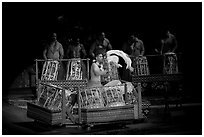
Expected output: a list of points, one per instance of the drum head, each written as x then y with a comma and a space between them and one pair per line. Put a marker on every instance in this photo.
169, 53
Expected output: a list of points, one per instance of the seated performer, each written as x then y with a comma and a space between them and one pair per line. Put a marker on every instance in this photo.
97, 70
95, 81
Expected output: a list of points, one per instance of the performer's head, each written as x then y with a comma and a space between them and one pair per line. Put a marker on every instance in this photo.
53, 36
99, 56
78, 40
102, 36
133, 37
168, 34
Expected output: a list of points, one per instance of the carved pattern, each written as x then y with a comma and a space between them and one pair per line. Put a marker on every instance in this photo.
50, 70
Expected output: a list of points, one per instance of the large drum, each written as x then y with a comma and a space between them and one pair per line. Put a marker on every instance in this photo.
113, 96
140, 65
170, 65
50, 97
74, 70
50, 70
91, 98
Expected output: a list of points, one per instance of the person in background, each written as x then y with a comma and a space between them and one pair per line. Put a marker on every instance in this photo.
76, 50
54, 50
169, 44
102, 43
134, 47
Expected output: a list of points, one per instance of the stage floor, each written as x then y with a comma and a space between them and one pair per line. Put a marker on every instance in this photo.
186, 120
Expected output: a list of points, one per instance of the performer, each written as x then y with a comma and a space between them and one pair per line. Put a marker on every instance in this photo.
76, 51
97, 70
95, 81
102, 43
54, 50
134, 48
168, 47
169, 44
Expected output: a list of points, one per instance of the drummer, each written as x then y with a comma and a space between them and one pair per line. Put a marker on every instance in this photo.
54, 50
101, 43
77, 51
134, 47
169, 44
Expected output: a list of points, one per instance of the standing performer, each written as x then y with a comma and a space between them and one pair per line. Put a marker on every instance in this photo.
134, 48
169, 45
102, 43
76, 51
54, 50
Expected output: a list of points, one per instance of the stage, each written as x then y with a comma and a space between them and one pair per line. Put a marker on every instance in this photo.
185, 120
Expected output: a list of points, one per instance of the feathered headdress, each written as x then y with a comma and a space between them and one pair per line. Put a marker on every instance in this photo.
112, 57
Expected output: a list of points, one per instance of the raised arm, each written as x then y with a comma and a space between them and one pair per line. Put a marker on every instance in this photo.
91, 51
83, 51
61, 50
142, 48
175, 47
45, 54
162, 46
109, 47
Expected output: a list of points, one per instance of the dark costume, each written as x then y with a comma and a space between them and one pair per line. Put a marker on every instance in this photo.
103, 45
134, 49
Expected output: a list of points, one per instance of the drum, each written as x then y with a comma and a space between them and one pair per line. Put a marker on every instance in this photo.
91, 98
113, 96
50, 97
170, 65
74, 71
140, 65
50, 70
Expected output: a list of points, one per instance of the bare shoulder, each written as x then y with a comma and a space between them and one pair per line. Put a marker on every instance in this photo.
94, 64
106, 40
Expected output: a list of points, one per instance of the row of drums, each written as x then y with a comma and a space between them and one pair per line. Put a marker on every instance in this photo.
102, 97
111, 95
75, 67
170, 64
141, 65
108, 96
95, 97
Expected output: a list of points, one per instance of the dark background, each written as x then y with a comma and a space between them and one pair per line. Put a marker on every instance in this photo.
25, 26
